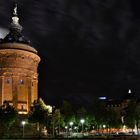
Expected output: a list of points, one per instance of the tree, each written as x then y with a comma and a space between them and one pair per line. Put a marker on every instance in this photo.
129, 115
39, 114
104, 115
91, 121
112, 120
132, 115
67, 112
99, 112
8, 116
57, 120
81, 113
137, 113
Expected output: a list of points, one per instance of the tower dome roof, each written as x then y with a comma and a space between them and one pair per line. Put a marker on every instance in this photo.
15, 35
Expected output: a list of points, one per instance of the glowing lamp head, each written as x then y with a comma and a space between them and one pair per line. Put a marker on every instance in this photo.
75, 127
23, 123
104, 126
82, 121
71, 123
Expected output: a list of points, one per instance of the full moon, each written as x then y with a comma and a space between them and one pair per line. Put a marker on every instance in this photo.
3, 32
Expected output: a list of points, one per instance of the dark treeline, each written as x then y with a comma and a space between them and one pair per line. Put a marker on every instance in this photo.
67, 117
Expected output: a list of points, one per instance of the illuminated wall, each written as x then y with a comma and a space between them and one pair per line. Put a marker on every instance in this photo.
18, 75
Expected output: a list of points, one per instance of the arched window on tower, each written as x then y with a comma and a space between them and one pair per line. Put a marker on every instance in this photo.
22, 107
8, 81
21, 82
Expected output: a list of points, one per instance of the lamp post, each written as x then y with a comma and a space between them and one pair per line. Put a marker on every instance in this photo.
53, 125
82, 122
23, 124
104, 126
71, 124
66, 127
76, 129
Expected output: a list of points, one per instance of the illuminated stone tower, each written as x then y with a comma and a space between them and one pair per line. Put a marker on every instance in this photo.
18, 69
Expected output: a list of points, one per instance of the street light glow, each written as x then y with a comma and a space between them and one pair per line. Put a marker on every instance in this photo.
104, 126
82, 121
71, 123
75, 127
23, 122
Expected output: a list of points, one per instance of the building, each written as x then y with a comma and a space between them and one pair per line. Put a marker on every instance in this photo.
119, 106
18, 69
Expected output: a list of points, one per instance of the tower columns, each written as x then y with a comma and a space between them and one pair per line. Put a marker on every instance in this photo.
15, 90
1, 89
29, 92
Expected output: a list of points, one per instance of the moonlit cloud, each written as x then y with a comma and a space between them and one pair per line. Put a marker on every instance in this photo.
3, 32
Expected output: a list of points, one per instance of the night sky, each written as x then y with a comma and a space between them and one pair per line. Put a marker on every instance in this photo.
88, 48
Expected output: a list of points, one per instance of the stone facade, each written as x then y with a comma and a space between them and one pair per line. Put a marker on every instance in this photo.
18, 75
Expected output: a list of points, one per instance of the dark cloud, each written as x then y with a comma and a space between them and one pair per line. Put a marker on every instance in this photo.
88, 47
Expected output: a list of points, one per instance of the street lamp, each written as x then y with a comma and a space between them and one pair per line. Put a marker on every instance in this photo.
66, 127
82, 122
71, 124
76, 129
104, 126
23, 124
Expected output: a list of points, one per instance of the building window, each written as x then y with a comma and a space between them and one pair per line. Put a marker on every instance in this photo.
22, 107
11, 104
8, 81
21, 82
